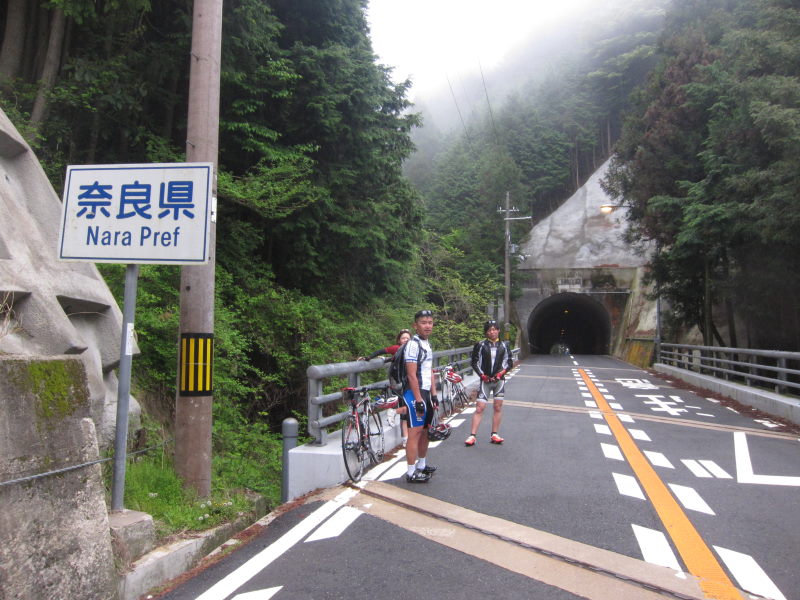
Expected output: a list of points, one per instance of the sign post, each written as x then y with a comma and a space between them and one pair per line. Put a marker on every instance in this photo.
135, 214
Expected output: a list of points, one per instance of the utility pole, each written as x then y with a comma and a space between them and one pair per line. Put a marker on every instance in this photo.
507, 300
194, 381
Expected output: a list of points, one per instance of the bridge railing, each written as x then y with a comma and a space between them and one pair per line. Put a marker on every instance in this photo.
318, 423
771, 369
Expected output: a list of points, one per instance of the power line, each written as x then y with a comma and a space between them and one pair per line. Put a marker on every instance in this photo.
489, 104
458, 110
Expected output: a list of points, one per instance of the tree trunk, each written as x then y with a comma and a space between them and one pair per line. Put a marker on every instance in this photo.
13, 39
50, 69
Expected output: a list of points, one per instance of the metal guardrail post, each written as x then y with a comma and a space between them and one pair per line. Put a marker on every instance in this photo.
289, 429
781, 389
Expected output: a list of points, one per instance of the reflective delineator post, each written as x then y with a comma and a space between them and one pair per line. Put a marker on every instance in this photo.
289, 429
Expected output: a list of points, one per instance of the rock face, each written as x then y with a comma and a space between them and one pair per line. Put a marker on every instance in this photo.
577, 235
49, 307
54, 533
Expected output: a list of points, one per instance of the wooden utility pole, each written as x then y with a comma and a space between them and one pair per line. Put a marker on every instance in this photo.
507, 300
195, 391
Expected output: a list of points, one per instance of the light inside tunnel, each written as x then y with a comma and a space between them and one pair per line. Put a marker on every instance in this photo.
569, 322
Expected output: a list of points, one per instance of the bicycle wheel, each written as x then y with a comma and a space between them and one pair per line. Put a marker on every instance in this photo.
461, 400
352, 450
375, 435
446, 401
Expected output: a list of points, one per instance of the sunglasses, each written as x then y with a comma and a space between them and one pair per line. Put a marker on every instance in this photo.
423, 313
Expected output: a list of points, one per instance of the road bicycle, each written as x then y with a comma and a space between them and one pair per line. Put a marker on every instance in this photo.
362, 433
456, 392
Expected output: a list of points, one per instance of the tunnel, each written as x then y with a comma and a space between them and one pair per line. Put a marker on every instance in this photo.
569, 322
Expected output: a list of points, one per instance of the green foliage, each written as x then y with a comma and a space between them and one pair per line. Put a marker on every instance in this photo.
152, 486
710, 163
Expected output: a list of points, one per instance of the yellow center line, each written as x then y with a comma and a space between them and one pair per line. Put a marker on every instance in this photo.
698, 557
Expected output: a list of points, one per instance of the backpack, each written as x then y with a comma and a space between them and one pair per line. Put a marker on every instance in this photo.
398, 380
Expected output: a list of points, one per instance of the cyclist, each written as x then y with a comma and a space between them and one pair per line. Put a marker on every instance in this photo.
491, 360
402, 337
418, 396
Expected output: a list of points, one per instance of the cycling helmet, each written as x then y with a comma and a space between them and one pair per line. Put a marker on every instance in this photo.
439, 432
489, 324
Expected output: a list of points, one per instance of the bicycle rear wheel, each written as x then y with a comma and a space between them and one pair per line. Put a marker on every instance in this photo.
352, 450
375, 436
461, 400
446, 401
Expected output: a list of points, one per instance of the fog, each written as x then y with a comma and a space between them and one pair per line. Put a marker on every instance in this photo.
458, 52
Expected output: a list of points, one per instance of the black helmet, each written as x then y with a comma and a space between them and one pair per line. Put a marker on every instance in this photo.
438, 432
489, 324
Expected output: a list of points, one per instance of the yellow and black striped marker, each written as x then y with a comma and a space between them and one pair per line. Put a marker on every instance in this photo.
196, 363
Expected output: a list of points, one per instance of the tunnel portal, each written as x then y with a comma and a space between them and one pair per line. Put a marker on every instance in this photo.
569, 321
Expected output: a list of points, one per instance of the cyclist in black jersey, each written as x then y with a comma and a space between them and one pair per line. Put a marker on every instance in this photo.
491, 360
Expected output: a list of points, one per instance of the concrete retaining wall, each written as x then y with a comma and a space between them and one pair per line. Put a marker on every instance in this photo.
54, 533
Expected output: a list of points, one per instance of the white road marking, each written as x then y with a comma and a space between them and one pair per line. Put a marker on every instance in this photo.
715, 469
608, 396
744, 467
397, 471
732, 409
615, 405
690, 498
586, 394
749, 574
656, 549
626, 418
575, 363
602, 429
468, 411
612, 451
658, 404
766, 423
694, 407
237, 578
590, 403
259, 594
706, 415
455, 422
595, 414
695, 467
334, 526
713, 400
638, 434
628, 486
658, 459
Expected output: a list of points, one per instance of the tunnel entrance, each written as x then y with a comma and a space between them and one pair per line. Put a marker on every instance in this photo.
569, 322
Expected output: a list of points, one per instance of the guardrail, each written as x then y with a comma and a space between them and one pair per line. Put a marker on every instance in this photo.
755, 368
318, 423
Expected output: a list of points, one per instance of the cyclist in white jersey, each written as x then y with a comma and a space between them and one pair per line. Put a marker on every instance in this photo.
419, 396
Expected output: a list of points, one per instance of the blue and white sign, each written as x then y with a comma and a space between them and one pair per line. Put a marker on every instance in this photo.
151, 213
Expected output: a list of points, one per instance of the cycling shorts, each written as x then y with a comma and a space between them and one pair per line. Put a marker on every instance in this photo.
413, 419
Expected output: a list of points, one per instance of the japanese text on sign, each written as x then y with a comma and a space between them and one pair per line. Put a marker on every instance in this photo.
156, 213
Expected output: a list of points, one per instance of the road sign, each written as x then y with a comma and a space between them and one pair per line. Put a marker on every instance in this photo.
149, 213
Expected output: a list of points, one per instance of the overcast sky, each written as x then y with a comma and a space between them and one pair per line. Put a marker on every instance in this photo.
430, 40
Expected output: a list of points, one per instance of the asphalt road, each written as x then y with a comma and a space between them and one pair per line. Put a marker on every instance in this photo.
612, 484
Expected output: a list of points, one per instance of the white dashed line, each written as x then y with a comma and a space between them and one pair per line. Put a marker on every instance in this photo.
590, 403
603, 429
655, 548
749, 574
611, 451
658, 459
626, 418
628, 486
615, 405
695, 467
715, 469
638, 434
690, 498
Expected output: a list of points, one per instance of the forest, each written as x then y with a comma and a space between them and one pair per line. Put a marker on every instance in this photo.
342, 211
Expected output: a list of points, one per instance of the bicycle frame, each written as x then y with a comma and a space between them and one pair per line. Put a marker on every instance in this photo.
362, 434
